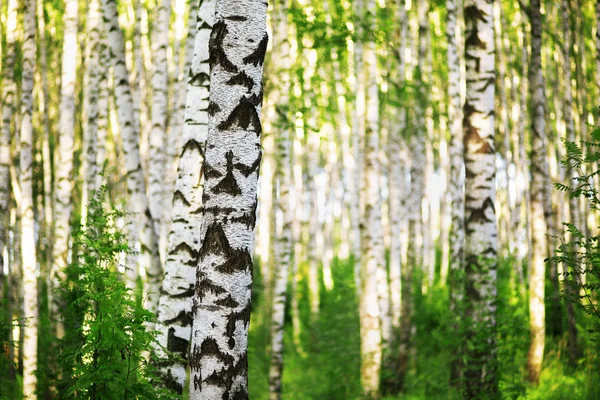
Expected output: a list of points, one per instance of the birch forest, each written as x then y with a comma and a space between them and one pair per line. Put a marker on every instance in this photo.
305, 199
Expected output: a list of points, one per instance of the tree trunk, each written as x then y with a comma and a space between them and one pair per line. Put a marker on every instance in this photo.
539, 179
174, 316
283, 169
157, 192
92, 103
28, 246
457, 181
221, 305
480, 369
9, 103
142, 235
373, 273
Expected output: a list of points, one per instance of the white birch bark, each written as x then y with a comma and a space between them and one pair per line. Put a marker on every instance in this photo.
91, 103
539, 179
480, 217
396, 182
358, 129
142, 235
174, 319
221, 305
64, 166
373, 273
157, 189
9, 93
283, 173
457, 173
28, 244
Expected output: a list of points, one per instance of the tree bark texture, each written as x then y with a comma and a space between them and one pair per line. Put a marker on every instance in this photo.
221, 305
174, 319
28, 244
539, 179
283, 173
480, 369
141, 231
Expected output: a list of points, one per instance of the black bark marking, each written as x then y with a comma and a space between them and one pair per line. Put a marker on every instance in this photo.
227, 302
179, 196
176, 344
478, 215
242, 116
210, 172
205, 286
192, 144
199, 79
228, 184
247, 170
227, 375
213, 108
258, 55
244, 316
215, 44
241, 79
210, 347
472, 133
189, 292
236, 18
215, 241
248, 219
237, 260
184, 247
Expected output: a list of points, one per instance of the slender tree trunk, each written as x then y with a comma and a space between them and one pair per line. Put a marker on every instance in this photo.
221, 310
457, 181
373, 273
9, 103
574, 212
157, 192
90, 107
64, 166
142, 234
283, 170
358, 129
28, 247
174, 319
397, 191
539, 179
480, 369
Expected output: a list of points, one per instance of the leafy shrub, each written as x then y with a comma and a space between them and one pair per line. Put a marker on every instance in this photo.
109, 355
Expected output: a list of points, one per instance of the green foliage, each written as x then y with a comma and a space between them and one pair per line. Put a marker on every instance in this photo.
8, 387
108, 354
579, 253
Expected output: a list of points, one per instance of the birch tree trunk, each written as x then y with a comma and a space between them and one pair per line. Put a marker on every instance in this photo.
370, 301
9, 94
142, 235
64, 166
221, 308
457, 174
539, 179
415, 226
397, 184
480, 251
28, 245
174, 319
574, 211
93, 53
283, 172
157, 192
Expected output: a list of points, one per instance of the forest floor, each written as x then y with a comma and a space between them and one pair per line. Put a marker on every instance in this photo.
324, 361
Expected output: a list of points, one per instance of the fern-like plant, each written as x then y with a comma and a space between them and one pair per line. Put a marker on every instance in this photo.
580, 253
112, 355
